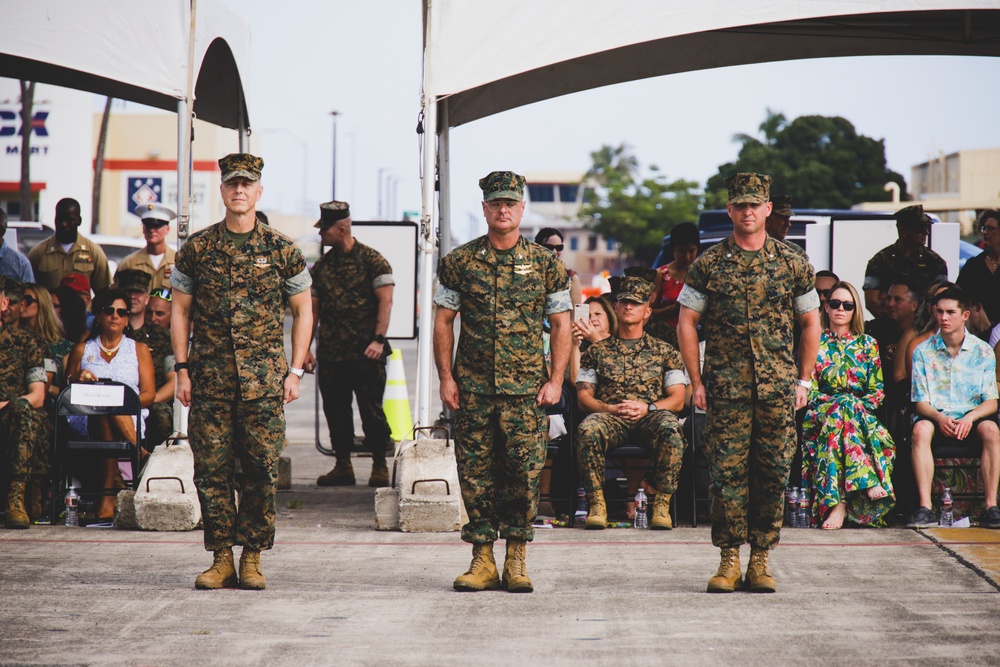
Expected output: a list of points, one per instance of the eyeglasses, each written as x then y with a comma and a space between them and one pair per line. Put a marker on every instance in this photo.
497, 203
29, 300
554, 247
160, 293
835, 304
989, 230
111, 310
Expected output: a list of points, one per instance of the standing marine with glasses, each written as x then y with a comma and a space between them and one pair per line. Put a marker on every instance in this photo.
504, 286
231, 284
746, 293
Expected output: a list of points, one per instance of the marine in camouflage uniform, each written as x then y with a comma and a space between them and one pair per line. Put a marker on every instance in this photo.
631, 386
780, 221
22, 393
234, 287
352, 294
908, 256
503, 296
747, 302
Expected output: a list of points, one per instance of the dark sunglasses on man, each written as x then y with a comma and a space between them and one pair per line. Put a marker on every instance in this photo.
835, 304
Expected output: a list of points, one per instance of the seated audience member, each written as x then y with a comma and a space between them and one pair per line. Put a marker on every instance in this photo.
825, 280
111, 354
552, 240
158, 308
603, 322
896, 315
847, 453
22, 394
955, 392
13, 264
979, 324
39, 317
980, 275
79, 284
903, 296
71, 310
926, 324
684, 241
632, 385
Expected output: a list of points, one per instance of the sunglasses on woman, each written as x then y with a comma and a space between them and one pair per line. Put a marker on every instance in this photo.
835, 304
111, 310
160, 293
554, 247
29, 300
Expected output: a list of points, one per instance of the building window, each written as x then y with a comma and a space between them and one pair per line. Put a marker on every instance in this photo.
574, 243
592, 242
567, 193
612, 245
541, 192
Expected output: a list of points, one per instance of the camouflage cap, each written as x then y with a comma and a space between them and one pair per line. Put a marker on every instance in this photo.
3, 283
782, 205
913, 216
14, 290
615, 282
241, 165
133, 280
634, 288
154, 215
748, 188
502, 185
331, 212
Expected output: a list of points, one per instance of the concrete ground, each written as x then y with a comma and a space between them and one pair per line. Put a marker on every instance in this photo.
341, 593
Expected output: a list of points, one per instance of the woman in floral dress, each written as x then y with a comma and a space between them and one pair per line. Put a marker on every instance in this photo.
847, 453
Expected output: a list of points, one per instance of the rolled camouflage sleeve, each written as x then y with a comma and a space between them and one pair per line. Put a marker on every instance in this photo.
675, 377
694, 294
447, 295
36, 374
806, 298
447, 298
182, 276
588, 369
383, 280
298, 283
557, 296
181, 282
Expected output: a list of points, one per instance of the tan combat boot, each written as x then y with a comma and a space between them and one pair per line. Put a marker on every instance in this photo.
222, 574
661, 512
251, 578
341, 475
597, 514
728, 578
380, 474
17, 517
482, 574
515, 573
759, 579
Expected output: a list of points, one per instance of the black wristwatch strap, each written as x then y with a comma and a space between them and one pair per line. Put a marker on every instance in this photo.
379, 338
180, 366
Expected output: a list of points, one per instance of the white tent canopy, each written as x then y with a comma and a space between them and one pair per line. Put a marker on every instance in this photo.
482, 57
135, 50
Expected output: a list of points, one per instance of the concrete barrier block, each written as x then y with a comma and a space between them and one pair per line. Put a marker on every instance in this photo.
429, 495
387, 509
429, 514
166, 498
125, 511
284, 472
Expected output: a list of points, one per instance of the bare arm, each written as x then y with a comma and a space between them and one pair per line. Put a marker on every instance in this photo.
309, 364
384, 296
560, 341
444, 346
165, 392
302, 331
588, 403
899, 365
147, 381
808, 351
180, 326
687, 340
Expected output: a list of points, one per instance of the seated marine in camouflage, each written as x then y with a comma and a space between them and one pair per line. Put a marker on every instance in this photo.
633, 386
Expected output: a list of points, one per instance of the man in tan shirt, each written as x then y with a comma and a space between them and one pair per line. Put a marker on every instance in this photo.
157, 258
68, 252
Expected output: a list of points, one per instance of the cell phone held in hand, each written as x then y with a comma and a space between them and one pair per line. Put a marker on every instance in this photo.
581, 311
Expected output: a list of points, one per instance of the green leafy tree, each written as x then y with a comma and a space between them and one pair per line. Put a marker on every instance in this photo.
821, 161
636, 212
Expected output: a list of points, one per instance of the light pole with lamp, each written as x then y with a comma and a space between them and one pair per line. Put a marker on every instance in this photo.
334, 188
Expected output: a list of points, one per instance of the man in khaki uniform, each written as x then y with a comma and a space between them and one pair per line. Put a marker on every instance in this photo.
68, 252
157, 258
748, 292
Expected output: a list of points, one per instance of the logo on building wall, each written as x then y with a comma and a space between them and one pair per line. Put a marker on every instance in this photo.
10, 123
143, 190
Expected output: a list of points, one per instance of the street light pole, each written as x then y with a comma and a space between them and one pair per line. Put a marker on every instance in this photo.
334, 188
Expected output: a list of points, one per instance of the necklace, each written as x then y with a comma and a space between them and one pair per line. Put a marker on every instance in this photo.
991, 261
109, 350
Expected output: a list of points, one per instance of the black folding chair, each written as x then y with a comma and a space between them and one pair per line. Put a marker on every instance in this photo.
102, 398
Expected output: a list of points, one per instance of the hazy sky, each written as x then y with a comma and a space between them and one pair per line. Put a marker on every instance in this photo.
364, 60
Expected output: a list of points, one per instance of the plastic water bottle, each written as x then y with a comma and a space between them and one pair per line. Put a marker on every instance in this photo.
72, 507
641, 520
792, 507
947, 517
805, 505
581, 504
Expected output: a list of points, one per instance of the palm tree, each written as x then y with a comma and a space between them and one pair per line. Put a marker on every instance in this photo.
27, 114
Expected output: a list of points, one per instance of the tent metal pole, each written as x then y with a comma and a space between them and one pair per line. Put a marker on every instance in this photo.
444, 175
427, 232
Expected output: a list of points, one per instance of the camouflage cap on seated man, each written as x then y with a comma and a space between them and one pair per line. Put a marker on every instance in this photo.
133, 280
331, 212
913, 216
14, 290
502, 185
634, 288
749, 188
782, 205
241, 165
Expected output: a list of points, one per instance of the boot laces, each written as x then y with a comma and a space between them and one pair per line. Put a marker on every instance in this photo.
729, 558
758, 562
517, 565
479, 561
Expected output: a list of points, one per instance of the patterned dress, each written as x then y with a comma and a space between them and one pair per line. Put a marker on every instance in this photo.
124, 368
846, 450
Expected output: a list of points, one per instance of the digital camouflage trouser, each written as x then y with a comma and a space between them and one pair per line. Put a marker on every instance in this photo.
658, 431
339, 383
749, 445
20, 435
220, 432
159, 424
500, 447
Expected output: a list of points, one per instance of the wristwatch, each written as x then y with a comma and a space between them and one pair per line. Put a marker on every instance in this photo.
180, 366
297, 372
804, 383
651, 407
380, 339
